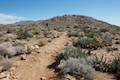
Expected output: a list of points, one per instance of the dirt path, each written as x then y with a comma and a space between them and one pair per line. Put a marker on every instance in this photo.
103, 76
35, 66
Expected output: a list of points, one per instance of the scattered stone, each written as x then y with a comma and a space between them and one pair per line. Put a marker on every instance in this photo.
4, 76
23, 57
43, 78
68, 77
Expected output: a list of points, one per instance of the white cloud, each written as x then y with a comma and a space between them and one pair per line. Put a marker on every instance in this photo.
8, 18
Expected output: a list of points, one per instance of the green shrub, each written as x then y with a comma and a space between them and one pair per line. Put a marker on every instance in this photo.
71, 52
104, 39
87, 42
104, 29
23, 34
20, 49
101, 64
73, 33
115, 67
112, 49
107, 40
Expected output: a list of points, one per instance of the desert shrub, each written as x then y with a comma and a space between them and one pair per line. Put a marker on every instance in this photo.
77, 67
73, 33
23, 34
103, 39
107, 40
112, 49
89, 34
87, 42
101, 64
104, 29
74, 62
7, 50
93, 40
115, 67
42, 42
20, 49
5, 65
71, 52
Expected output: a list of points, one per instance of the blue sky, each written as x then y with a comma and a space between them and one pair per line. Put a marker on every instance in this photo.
16, 10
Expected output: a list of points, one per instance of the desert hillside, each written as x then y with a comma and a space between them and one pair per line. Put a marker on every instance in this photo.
69, 47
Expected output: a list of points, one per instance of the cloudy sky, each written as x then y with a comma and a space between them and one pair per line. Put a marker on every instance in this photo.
17, 10
8, 18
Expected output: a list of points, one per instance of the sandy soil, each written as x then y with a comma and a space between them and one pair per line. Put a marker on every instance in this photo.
35, 66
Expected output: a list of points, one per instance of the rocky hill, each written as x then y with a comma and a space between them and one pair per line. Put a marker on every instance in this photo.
69, 47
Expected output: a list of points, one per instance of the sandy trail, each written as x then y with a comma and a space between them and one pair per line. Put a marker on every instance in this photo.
35, 66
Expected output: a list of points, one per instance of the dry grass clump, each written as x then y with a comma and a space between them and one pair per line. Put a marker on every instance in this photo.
5, 65
9, 50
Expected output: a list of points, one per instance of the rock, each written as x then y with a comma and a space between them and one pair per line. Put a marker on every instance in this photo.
36, 46
23, 57
4, 76
43, 78
68, 77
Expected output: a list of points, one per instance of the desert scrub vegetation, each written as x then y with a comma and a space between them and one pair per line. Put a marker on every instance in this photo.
74, 62
5, 64
87, 42
73, 33
23, 34
101, 64
116, 67
93, 39
42, 42
78, 68
71, 52
9, 50
6, 49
